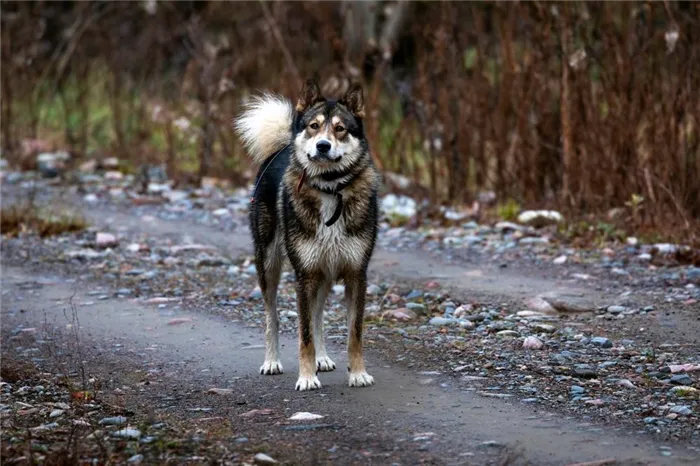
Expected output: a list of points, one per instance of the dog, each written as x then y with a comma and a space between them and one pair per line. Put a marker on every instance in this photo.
315, 205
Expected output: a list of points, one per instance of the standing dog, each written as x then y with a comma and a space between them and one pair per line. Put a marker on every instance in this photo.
315, 203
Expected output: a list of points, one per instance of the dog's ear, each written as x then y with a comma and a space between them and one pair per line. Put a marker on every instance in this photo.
354, 101
310, 94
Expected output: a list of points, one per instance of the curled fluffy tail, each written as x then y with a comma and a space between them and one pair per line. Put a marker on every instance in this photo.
265, 126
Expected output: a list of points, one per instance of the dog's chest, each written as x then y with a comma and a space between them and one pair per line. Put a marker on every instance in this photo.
332, 249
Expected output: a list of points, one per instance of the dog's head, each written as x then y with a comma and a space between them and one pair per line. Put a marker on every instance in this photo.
328, 134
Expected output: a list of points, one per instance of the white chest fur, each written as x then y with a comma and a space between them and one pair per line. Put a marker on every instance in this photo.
332, 249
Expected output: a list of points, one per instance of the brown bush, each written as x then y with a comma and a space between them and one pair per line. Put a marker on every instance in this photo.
581, 105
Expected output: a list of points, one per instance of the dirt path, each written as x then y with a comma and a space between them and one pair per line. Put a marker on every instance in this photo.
400, 419
209, 351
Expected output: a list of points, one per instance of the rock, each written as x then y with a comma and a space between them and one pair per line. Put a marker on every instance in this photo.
106, 240
374, 290
305, 416
632, 241
681, 379
532, 343
577, 390
601, 342
112, 421
685, 392
417, 308
547, 328
505, 227
540, 218
693, 274
401, 314
466, 324
616, 309
626, 383
683, 368
338, 290
585, 370
262, 458
682, 410
565, 303
128, 433
176, 195
221, 391
113, 175
110, 163
136, 459
399, 207
57, 413
507, 334
414, 294
540, 306
221, 212
85, 254
463, 310
442, 321
559, 260
51, 164
534, 240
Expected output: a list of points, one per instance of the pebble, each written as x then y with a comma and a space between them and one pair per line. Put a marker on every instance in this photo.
57, 413
601, 342
374, 290
305, 416
136, 459
559, 260
626, 383
577, 390
682, 410
681, 379
507, 334
128, 433
416, 307
338, 290
414, 294
106, 240
616, 309
532, 343
262, 458
112, 421
441, 321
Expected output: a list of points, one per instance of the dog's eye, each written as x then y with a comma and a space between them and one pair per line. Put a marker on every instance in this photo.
339, 129
313, 125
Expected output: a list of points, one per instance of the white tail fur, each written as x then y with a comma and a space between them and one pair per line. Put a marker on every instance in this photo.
265, 125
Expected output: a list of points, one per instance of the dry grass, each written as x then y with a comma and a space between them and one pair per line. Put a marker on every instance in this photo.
19, 219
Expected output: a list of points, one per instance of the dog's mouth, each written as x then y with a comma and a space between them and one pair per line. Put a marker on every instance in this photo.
324, 158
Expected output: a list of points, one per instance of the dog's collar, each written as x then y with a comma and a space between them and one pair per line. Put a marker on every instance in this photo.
334, 192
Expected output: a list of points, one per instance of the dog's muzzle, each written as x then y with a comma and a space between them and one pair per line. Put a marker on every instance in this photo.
324, 153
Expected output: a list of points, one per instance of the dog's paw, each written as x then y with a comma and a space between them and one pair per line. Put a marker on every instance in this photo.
360, 379
271, 368
324, 364
308, 383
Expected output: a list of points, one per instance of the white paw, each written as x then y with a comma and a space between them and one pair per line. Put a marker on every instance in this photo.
308, 383
271, 368
324, 364
360, 379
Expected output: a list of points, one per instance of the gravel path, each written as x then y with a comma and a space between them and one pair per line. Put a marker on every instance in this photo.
610, 368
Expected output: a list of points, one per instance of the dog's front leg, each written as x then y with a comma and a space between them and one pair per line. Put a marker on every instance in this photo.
307, 288
355, 289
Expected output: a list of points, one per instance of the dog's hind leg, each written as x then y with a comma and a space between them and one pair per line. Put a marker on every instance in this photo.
355, 289
323, 362
307, 292
269, 269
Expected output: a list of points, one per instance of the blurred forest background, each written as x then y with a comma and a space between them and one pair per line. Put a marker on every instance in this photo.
582, 106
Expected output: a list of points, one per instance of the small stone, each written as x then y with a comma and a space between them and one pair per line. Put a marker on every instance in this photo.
57, 413
233, 270
133, 247
136, 459
650, 420
417, 308
507, 334
683, 410
540, 218
442, 321
262, 458
112, 421
466, 324
626, 383
128, 433
601, 342
577, 390
414, 294
221, 391
685, 392
681, 379
338, 289
547, 328
584, 370
255, 294
402, 314
616, 309
559, 260
533, 343
221, 212
463, 310
374, 290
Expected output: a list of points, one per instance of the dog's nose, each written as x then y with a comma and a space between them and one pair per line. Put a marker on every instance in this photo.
323, 146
